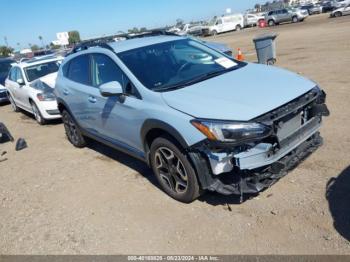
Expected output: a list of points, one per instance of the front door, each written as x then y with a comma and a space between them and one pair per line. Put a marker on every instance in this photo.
114, 118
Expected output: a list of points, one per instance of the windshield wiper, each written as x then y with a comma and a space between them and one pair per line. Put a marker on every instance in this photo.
194, 80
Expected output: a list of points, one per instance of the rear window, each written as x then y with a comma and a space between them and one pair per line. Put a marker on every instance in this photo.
78, 70
36, 71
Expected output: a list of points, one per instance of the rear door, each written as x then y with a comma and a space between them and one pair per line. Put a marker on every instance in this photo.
285, 15
12, 85
77, 88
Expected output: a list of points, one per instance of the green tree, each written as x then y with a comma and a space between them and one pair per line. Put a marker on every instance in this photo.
134, 30
179, 22
35, 47
5, 51
74, 37
52, 46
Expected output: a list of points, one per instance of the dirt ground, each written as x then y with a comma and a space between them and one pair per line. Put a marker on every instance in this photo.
56, 199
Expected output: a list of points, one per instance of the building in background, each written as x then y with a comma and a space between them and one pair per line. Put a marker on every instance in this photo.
62, 39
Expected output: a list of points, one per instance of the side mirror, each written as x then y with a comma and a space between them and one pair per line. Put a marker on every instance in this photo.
111, 89
20, 82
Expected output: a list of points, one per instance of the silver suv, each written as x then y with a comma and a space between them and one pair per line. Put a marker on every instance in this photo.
276, 17
202, 120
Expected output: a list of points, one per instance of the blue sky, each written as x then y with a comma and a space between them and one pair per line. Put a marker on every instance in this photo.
22, 21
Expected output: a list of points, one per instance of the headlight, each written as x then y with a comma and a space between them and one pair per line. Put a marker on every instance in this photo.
46, 96
232, 132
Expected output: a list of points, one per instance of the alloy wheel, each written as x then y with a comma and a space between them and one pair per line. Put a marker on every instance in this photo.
71, 129
171, 170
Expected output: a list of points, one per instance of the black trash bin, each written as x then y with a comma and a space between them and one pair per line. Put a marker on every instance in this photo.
265, 47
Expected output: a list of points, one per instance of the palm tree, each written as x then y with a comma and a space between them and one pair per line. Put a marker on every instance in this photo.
42, 41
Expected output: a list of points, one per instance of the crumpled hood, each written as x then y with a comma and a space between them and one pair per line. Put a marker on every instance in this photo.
242, 94
49, 79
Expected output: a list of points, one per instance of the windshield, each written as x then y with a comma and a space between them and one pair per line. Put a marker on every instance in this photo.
36, 71
175, 64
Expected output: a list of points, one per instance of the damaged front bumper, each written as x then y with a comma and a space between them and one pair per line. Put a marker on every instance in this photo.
252, 168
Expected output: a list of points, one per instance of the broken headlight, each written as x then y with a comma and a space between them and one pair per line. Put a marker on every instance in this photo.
232, 132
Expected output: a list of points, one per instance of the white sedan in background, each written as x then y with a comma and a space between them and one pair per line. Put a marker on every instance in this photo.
30, 86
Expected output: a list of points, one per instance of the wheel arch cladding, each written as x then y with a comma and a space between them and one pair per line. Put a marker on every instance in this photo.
62, 105
153, 128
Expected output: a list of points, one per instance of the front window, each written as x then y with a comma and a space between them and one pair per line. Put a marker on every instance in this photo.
176, 64
36, 71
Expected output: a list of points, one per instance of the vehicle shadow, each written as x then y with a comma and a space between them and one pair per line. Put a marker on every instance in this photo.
338, 196
28, 116
216, 199
133, 163
140, 167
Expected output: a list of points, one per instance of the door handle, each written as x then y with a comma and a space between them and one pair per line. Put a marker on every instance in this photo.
65, 91
92, 99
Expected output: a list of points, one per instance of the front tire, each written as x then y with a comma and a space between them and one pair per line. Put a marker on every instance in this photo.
214, 33
238, 28
271, 23
295, 19
173, 170
38, 117
73, 131
338, 14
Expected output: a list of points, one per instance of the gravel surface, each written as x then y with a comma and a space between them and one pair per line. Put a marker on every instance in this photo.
56, 199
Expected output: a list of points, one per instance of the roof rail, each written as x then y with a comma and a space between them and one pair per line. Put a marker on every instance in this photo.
103, 43
152, 33
85, 45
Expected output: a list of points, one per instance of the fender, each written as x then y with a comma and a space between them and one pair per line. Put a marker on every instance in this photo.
150, 124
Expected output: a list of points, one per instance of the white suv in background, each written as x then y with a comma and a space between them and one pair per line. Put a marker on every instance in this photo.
30, 86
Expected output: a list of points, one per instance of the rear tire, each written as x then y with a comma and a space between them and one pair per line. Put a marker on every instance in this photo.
73, 131
295, 19
38, 117
238, 28
173, 170
15, 108
338, 14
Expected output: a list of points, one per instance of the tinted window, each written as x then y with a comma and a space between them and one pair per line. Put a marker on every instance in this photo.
104, 70
79, 69
13, 74
270, 13
36, 71
19, 74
